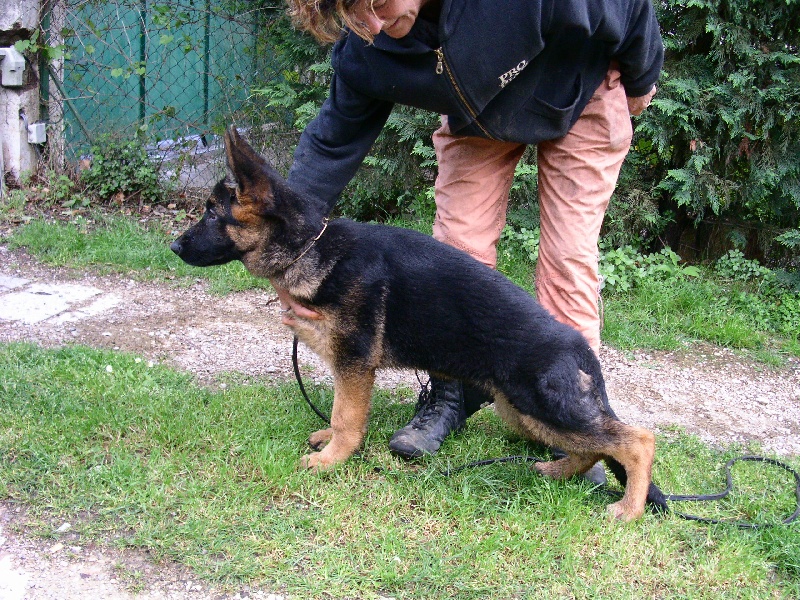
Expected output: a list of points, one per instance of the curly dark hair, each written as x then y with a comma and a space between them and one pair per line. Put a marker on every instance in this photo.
326, 19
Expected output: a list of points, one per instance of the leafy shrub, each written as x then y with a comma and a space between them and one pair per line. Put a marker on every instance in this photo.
786, 314
783, 313
61, 190
734, 265
619, 268
622, 268
722, 135
771, 297
122, 167
526, 240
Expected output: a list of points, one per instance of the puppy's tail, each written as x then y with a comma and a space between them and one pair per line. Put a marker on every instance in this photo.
655, 497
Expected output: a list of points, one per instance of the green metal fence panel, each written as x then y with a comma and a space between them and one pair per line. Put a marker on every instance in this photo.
165, 71
97, 73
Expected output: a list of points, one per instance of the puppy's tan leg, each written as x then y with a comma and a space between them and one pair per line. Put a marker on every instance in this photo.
570, 465
635, 452
352, 393
632, 447
319, 439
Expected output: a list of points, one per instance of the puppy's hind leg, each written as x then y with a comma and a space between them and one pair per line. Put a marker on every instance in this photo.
352, 393
570, 465
577, 460
634, 448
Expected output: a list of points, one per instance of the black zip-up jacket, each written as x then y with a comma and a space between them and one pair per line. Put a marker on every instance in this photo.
514, 70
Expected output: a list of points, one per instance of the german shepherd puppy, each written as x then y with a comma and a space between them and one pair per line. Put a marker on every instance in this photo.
390, 297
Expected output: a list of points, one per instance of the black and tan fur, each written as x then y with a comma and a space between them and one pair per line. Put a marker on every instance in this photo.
393, 297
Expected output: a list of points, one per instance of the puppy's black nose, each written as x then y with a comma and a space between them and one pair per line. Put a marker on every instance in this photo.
176, 247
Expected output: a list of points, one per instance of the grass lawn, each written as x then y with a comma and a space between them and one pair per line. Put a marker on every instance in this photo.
144, 457
113, 244
209, 478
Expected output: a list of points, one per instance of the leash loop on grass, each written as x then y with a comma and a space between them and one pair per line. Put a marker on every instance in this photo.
670, 497
729, 488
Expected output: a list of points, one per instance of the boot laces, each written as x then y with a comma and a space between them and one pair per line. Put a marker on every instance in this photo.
427, 408
424, 394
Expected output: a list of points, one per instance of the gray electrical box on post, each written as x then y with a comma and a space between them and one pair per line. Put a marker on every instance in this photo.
19, 92
12, 67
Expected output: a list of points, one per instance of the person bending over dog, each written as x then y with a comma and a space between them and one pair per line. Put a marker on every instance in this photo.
565, 75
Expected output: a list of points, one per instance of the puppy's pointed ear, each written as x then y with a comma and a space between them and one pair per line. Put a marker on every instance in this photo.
250, 170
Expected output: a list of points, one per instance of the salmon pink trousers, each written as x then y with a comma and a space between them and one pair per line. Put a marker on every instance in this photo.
577, 175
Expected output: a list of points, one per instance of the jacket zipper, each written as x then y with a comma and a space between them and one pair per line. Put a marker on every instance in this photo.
441, 67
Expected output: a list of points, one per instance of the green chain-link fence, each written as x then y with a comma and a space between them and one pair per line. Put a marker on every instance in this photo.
171, 74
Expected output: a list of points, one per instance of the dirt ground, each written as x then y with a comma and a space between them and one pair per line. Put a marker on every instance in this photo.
713, 393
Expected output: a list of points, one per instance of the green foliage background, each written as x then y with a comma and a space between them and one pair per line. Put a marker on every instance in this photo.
723, 137
713, 166
720, 143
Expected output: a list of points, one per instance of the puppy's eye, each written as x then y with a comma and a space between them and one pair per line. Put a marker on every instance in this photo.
211, 215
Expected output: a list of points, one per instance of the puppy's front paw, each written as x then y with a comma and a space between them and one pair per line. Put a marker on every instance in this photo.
317, 461
319, 439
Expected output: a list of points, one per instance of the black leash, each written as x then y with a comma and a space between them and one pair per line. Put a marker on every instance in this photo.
729, 488
299, 378
680, 497
671, 497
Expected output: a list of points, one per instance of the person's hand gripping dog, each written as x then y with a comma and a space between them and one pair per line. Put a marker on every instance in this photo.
292, 310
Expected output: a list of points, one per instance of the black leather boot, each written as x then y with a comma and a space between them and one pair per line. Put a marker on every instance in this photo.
440, 411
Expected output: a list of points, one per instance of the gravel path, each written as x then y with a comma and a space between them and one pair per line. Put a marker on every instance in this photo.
710, 392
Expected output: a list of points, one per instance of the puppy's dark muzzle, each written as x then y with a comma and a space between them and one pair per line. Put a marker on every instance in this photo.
197, 254
183, 248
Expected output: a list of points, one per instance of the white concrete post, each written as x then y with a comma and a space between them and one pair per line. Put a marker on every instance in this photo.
18, 20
